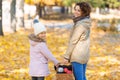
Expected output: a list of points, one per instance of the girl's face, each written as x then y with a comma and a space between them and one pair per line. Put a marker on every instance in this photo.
77, 11
42, 35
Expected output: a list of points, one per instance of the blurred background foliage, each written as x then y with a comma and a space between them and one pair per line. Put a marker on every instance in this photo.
94, 3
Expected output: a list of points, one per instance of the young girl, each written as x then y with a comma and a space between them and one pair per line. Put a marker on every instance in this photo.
78, 49
39, 53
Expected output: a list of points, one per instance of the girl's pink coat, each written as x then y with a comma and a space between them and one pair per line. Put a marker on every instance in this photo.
39, 57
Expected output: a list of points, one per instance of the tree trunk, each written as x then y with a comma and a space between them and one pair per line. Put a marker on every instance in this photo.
1, 31
12, 13
97, 10
44, 10
63, 10
39, 10
20, 14
70, 9
67, 10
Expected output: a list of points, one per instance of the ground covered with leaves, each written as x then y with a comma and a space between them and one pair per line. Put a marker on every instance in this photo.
104, 63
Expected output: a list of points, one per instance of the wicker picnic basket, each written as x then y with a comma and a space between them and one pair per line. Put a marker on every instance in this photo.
63, 74
64, 77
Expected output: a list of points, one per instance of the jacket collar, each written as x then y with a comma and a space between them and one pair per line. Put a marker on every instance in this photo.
76, 19
35, 38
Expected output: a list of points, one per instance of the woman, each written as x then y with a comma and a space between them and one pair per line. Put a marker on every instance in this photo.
78, 49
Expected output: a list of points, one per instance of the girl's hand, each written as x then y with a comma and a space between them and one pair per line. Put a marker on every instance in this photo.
57, 65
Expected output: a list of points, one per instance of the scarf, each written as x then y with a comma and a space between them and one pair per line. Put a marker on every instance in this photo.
76, 19
35, 38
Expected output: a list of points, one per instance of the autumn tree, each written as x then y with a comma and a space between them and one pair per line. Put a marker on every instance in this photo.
13, 13
112, 3
1, 32
20, 14
40, 5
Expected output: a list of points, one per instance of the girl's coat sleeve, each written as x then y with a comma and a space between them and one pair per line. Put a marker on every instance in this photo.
46, 52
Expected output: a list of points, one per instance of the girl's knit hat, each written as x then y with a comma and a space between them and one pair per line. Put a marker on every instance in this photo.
38, 27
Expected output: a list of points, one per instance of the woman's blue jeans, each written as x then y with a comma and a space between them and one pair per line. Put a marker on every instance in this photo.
79, 71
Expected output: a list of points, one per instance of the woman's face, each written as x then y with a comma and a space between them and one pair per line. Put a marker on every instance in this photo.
77, 11
42, 35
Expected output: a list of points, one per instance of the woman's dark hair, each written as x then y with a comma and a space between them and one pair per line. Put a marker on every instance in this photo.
85, 8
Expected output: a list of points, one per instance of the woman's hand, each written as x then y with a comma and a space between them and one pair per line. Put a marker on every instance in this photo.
65, 61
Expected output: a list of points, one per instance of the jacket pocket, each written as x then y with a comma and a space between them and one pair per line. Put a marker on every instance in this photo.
43, 60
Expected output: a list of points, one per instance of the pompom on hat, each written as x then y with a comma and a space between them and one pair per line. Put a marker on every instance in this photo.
38, 27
